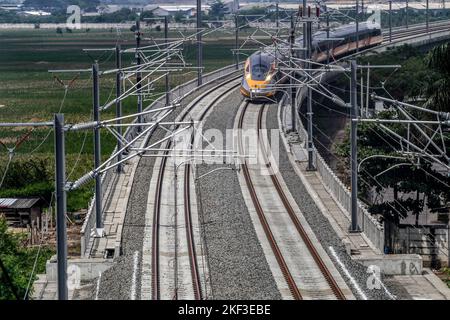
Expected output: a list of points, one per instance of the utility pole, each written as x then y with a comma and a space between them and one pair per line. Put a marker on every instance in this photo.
97, 153
138, 73
390, 21
304, 31
119, 105
309, 101
353, 140
293, 91
448, 246
357, 25
327, 16
199, 43
236, 40
61, 232
277, 15
166, 37
427, 14
406, 8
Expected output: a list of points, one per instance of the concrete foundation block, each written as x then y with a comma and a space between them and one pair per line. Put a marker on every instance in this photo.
394, 264
86, 269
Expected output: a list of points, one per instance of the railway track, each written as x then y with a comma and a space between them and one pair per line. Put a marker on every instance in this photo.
273, 235
412, 32
417, 27
190, 239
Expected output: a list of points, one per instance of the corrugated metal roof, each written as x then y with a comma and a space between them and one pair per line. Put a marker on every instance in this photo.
11, 203
6, 202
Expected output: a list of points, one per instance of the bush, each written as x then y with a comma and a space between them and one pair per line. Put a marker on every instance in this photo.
18, 263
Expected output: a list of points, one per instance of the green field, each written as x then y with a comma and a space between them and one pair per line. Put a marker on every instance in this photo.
28, 92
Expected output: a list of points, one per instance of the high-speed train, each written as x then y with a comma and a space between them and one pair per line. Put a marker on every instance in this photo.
260, 69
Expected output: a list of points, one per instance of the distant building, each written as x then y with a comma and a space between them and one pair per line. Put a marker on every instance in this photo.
10, 7
188, 11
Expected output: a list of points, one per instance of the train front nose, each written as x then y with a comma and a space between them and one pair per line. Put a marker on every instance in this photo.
259, 88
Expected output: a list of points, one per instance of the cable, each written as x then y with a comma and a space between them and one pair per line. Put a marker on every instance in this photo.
6, 170
66, 88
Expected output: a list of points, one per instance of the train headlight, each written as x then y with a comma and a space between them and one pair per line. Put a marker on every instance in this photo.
248, 76
268, 77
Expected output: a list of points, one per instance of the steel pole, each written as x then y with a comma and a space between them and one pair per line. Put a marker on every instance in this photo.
327, 15
199, 43
353, 141
448, 246
427, 14
277, 15
138, 74
390, 21
97, 150
119, 105
357, 25
166, 37
236, 40
293, 102
309, 101
305, 55
406, 8
61, 232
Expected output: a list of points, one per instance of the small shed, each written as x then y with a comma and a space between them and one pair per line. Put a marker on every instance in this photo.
20, 212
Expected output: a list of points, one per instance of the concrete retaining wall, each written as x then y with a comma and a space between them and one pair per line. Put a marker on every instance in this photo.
394, 264
419, 241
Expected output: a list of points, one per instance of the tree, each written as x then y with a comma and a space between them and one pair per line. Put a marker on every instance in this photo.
217, 9
438, 92
416, 182
16, 263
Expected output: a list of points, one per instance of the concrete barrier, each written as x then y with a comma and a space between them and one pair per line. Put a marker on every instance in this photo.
87, 269
394, 264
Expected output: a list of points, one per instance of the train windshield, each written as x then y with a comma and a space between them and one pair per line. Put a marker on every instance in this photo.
260, 68
260, 71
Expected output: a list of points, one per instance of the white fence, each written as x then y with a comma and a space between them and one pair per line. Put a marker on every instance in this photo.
109, 179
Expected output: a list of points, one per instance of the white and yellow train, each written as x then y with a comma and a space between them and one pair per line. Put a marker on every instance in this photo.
260, 70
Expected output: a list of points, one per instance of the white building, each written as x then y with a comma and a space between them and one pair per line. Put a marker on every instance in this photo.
188, 11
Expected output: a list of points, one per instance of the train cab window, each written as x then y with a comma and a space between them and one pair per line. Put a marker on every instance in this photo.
259, 71
260, 68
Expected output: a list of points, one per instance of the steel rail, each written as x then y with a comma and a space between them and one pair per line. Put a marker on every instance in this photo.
306, 239
187, 206
262, 218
